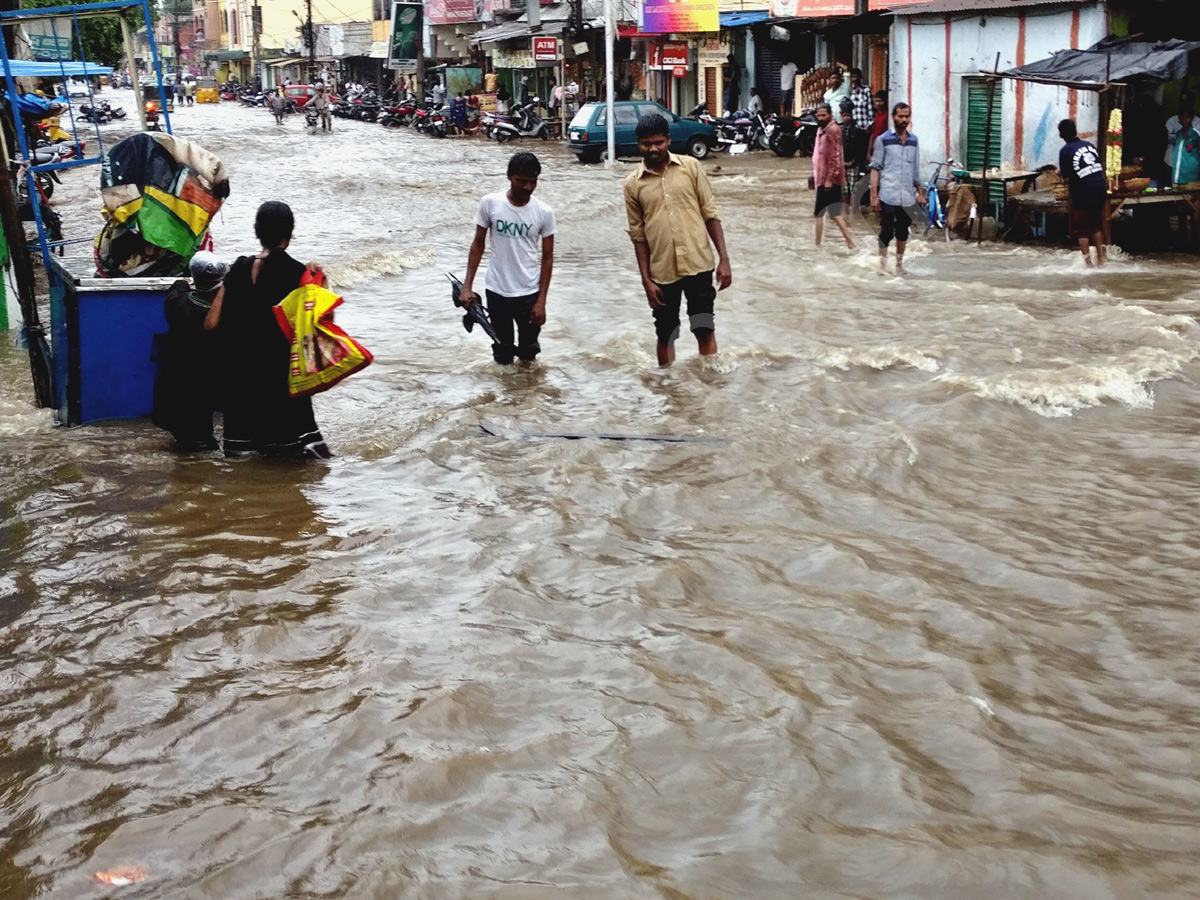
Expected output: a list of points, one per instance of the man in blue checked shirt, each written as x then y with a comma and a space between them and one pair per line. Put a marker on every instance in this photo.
896, 183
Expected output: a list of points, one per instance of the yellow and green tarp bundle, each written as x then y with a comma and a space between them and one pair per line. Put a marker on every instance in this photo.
160, 192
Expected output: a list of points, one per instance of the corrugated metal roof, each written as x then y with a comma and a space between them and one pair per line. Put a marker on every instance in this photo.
939, 7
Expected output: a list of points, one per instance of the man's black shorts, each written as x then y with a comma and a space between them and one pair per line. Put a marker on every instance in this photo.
893, 222
700, 294
829, 200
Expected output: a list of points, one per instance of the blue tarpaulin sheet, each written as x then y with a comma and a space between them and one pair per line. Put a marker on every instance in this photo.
750, 17
27, 68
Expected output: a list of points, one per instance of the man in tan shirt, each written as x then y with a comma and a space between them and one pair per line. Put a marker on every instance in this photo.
672, 216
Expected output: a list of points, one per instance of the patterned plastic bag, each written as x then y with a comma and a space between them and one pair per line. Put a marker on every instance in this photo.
322, 353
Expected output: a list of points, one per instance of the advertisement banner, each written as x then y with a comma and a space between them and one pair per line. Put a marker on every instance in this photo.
545, 49
669, 55
404, 48
665, 16
446, 12
787, 9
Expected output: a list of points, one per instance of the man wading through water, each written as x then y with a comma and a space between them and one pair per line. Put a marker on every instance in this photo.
896, 183
672, 215
518, 276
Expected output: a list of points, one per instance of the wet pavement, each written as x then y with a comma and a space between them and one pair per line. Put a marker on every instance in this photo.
925, 627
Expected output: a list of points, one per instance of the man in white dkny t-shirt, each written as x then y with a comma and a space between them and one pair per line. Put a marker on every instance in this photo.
518, 276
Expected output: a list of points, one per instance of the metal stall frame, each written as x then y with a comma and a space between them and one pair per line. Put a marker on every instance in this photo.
122, 9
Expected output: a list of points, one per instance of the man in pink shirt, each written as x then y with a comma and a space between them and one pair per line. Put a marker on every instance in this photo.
829, 174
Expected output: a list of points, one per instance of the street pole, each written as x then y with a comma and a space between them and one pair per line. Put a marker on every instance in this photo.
312, 45
859, 57
609, 50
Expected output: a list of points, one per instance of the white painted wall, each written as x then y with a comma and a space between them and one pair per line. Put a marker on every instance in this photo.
974, 42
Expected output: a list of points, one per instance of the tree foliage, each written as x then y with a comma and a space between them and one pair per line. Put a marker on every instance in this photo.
101, 37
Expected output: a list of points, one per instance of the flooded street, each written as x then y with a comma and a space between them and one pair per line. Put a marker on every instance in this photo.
926, 627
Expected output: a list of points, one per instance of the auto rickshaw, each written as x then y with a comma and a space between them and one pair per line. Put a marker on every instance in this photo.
206, 90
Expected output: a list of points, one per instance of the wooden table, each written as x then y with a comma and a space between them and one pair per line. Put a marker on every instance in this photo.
1185, 202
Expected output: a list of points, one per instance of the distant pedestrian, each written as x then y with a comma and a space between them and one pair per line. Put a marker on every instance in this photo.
787, 84
502, 97
756, 104
854, 152
1080, 165
896, 183
837, 89
180, 93
864, 106
518, 277
672, 218
829, 175
190, 92
879, 123
733, 85
277, 104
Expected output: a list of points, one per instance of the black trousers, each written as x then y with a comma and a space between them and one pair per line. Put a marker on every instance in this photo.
507, 312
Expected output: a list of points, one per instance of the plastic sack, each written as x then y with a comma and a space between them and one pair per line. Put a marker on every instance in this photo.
322, 354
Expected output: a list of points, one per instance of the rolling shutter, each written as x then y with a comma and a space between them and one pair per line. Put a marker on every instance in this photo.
978, 90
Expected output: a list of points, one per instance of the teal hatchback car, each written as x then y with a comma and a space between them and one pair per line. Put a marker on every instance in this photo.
588, 131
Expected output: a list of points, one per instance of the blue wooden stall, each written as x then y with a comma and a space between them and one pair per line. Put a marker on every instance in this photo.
102, 330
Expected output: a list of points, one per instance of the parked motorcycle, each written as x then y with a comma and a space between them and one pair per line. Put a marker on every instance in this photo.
795, 133
114, 112
96, 115
524, 122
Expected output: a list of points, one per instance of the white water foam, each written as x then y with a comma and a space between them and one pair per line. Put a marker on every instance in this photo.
879, 358
378, 264
1055, 393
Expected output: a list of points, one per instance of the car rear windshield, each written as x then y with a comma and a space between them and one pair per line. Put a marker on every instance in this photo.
583, 116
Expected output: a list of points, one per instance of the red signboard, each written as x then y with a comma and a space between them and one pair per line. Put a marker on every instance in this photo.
545, 49
668, 54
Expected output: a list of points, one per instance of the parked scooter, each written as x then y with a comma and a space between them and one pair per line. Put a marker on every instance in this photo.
795, 133
114, 112
524, 122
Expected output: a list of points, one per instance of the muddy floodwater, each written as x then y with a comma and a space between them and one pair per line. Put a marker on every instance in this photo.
926, 626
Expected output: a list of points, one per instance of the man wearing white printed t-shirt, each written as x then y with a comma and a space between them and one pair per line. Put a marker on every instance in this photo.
518, 276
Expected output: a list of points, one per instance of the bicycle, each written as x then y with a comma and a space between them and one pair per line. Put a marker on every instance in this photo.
936, 212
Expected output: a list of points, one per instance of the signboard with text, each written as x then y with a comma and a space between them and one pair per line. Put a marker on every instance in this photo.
49, 39
668, 54
404, 47
446, 12
665, 16
545, 49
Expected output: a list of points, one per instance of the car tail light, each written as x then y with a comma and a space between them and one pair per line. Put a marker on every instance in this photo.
583, 137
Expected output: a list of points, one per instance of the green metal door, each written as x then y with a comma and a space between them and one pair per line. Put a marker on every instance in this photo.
978, 91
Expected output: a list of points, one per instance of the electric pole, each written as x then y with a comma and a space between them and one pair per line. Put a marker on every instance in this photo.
312, 45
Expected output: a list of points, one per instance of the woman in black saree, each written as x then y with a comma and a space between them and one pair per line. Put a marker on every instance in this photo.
260, 415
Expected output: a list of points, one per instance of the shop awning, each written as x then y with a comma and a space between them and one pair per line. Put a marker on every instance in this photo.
27, 68
290, 61
226, 55
511, 31
1114, 61
740, 19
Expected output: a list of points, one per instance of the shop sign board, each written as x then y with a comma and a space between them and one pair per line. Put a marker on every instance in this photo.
712, 54
545, 49
513, 59
668, 54
404, 48
787, 9
666, 16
